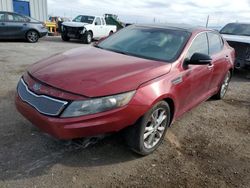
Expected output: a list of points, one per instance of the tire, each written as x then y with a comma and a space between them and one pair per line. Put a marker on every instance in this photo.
32, 36
111, 33
145, 137
88, 37
65, 37
223, 88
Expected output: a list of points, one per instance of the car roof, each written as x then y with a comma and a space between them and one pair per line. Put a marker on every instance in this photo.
9, 12
184, 27
247, 23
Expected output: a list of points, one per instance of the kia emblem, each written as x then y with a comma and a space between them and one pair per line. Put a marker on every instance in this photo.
37, 86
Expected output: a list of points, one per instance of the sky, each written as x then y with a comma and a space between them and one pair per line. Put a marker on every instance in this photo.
160, 11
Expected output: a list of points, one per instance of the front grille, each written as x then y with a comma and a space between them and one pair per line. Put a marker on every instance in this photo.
42, 103
74, 30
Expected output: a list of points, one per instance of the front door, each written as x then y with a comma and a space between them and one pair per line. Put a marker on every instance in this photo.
99, 28
15, 25
198, 77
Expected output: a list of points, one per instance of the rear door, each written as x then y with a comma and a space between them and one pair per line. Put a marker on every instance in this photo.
3, 26
219, 59
17, 25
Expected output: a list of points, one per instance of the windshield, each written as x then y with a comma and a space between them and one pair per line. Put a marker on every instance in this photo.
147, 42
236, 29
85, 19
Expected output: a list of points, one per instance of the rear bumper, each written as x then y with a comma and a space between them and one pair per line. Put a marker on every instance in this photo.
91, 125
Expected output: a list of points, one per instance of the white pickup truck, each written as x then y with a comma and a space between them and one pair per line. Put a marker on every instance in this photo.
86, 28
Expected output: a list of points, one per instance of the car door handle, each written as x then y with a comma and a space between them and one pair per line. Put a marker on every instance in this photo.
25, 24
2, 23
210, 66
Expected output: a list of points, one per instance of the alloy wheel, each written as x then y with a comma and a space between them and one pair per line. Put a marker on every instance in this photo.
225, 85
155, 128
32, 36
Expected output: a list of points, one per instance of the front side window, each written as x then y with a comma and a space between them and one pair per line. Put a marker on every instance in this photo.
199, 45
98, 21
15, 18
215, 43
2, 17
147, 42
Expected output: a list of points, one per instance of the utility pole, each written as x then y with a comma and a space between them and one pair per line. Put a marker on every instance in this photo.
207, 21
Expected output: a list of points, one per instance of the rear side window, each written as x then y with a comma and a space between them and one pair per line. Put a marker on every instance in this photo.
215, 43
199, 45
103, 21
2, 17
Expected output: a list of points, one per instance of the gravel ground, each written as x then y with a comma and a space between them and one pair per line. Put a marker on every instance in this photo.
208, 147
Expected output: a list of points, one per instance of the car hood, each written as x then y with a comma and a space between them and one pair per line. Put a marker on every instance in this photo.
237, 38
74, 24
94, 72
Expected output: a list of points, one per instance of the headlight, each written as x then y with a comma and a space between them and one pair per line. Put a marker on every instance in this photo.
83, 31
87, 107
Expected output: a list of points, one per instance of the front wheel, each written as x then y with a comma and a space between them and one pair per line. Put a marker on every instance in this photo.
65, 37
147, 134
224, 87
88, 37
32, 36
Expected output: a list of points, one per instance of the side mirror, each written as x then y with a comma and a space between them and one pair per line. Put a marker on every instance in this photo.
197, 59
27, 20
96, 23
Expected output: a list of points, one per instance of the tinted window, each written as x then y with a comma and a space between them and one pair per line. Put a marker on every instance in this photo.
215, 43
199, 45
146, 42
236, 29
2, 16
98, 21
15, 18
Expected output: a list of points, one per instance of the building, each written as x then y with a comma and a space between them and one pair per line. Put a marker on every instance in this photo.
34, 8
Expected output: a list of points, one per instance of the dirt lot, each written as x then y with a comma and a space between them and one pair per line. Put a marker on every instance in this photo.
207, 147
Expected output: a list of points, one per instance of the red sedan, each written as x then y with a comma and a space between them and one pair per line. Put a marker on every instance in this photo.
141, 78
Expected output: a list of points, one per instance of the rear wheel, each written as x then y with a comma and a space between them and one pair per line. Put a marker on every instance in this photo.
65, 37
223, 89
111, 32
147, 134
32, 36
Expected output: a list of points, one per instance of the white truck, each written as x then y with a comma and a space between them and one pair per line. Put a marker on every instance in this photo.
86, 28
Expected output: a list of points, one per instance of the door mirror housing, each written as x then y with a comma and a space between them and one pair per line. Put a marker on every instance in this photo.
199, 59
96, 23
